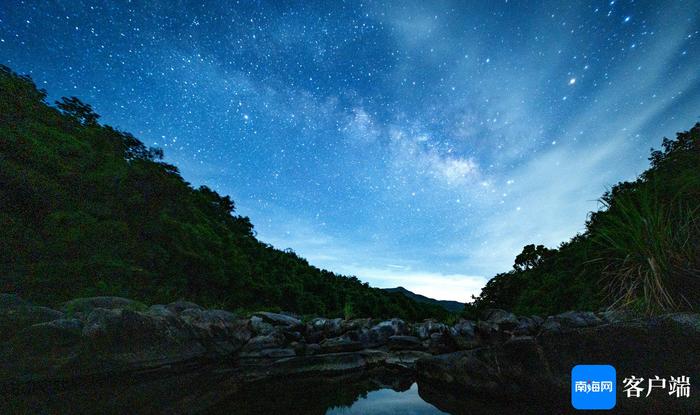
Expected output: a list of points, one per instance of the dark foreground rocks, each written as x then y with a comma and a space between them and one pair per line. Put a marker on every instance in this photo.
522, 360
536, 368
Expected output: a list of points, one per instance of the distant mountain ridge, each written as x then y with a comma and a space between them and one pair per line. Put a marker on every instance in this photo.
452, 306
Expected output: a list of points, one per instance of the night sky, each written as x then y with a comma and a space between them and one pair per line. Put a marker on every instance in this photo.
408, 144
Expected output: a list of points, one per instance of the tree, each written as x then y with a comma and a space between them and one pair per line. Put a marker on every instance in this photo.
78, 110
531, 257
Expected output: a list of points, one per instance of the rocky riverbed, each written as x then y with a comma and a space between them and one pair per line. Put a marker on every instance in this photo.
524, 360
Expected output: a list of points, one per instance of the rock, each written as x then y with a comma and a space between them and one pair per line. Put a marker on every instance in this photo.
321, 328
406, 358
99, 320
220, 330
690, 321
340, 344
539, 368
404, 343
129, 340
357, 324
179, 306
617, 316
488, 331
41, 351
464, 328
379, 334
83, 306
299, 348
16, 315
279, 319
313, 349
328, 364
274, 353
47, 338
495, 372
527, 326
571, 320
291, 334
464, 335
441, 343
502, 318
260, 327
160, 310
429, 327
274, 340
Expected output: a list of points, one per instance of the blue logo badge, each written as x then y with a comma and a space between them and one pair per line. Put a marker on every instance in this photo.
593, 387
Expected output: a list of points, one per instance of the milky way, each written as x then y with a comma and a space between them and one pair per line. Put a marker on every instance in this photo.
408, 144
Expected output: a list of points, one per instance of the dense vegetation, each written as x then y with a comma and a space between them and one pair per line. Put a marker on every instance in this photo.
640, 252
87, 210
452, 306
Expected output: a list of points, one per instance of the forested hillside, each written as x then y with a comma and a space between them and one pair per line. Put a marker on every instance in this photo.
88, 210
640, 252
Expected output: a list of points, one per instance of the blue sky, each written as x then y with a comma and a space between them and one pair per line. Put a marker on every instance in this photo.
420, 144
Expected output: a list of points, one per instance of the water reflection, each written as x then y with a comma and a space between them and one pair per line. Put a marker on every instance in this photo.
380, 391
389, 402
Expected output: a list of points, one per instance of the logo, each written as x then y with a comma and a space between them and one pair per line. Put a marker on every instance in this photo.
593, 387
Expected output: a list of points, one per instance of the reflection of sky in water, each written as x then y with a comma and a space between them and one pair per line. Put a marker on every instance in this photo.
389, 402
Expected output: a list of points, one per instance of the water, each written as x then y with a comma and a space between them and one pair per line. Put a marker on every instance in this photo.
377, 392
215, 391
388, 402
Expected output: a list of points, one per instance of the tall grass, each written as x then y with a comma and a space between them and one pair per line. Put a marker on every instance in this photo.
649, 246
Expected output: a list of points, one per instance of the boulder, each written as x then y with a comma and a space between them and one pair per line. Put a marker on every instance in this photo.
463, 335
83, 306
404, 343
571, 320
528, 326
379, 334
274, 340
179, 306
133, 340
273, 353
40, 351
441, 343
340, 344
219, 330
46, 337
160, 310
406, 358
260, 327
328, 364
617, 316
312, 348
277, 319
357, 324
539, 368
490, 332
428, 327
16, 315
503, 319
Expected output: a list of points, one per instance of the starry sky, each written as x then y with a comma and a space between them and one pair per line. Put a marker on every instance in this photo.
420, 144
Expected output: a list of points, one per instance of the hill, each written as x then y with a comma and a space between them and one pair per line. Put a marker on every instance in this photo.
86, 209
639, 252
451, 306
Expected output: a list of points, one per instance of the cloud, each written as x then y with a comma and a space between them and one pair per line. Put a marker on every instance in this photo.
453, 170
441, 286
415, 153
360, 126
369, 261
